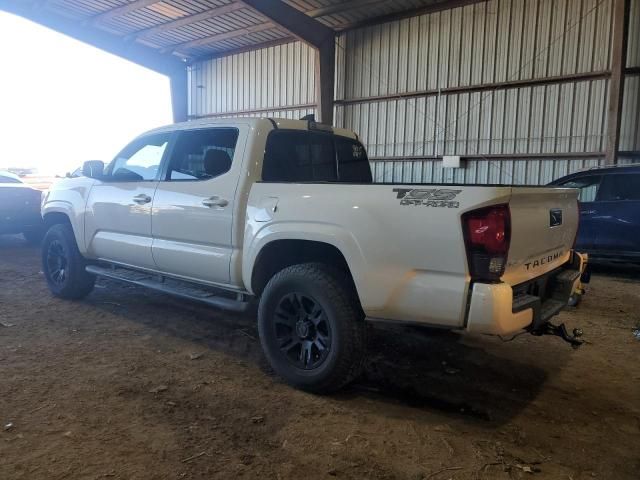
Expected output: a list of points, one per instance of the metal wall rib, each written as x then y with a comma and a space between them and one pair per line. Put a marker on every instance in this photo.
508, 171
277, 79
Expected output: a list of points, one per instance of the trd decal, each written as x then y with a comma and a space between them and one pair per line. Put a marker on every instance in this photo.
428, 197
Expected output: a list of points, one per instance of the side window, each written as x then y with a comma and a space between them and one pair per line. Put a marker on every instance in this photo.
140, 160
588, 187
202, 154
620, 187
299, 156
353, 164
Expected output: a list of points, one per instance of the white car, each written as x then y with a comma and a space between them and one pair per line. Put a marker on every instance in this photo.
285, 211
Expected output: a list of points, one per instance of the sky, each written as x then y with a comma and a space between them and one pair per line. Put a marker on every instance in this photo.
63, 102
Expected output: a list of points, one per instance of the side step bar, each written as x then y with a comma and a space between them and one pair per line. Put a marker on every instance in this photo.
217, 298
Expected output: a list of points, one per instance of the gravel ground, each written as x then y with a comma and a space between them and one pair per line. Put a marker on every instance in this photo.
129, 384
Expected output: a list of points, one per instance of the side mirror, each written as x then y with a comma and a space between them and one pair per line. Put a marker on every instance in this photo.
93, 169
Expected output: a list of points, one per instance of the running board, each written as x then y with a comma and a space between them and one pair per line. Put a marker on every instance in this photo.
177, 288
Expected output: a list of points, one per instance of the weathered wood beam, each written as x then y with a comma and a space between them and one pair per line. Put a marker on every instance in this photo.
616, 83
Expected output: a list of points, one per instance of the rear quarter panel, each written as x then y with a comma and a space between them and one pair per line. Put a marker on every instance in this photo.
407, 257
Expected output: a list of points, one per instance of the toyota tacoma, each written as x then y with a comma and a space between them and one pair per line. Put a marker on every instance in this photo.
285, 212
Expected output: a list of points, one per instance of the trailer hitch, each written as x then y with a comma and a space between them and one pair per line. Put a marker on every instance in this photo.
549, 328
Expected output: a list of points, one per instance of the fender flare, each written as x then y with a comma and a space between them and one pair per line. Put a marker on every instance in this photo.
326, 233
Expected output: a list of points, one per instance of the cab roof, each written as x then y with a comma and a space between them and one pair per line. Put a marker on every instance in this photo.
267, 123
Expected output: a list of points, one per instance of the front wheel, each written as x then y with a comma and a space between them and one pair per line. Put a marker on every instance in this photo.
63, 265
311, 327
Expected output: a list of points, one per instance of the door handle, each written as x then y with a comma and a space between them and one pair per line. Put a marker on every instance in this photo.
587, 212
215, 201
142, 199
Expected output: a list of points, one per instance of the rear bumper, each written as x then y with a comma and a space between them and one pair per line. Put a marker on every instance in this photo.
501, 309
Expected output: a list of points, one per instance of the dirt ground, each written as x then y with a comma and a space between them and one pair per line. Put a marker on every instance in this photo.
129, 384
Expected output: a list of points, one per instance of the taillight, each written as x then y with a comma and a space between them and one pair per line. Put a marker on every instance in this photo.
487, 233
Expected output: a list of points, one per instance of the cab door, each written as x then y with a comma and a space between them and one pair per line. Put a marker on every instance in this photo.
193, 208
617, 222
118, 221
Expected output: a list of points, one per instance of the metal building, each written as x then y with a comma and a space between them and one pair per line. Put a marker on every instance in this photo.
524, 91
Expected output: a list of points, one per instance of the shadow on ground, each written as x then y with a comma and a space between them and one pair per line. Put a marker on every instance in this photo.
420, 368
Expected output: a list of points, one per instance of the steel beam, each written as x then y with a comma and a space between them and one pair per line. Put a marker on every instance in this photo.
181, 22
325, 80
145, 56
314, 33
198, 42
342, 7
298, 23
486, 87
412, 12
179, 95
616, 84
120, 11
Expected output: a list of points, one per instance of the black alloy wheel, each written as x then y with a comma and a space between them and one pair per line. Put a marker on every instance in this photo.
302, 330
57, 262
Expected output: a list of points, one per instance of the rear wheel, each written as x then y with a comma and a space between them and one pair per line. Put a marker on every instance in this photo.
63, 265
311, 328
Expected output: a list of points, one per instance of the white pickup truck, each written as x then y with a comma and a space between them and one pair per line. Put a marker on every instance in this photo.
285, 211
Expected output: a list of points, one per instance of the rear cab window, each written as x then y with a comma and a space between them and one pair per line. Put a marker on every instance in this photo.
296, 156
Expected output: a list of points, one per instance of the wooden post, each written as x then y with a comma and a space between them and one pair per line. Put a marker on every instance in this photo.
616, 83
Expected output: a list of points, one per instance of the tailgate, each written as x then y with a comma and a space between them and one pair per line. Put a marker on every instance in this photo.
544, 222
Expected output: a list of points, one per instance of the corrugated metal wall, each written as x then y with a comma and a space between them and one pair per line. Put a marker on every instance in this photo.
630, 129
277, 81
487, 45
538, 72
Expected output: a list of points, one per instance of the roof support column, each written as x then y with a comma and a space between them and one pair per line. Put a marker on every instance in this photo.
314, 33
179, 95
325, 78
616, 83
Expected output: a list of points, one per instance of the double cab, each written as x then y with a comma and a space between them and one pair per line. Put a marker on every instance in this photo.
285, 213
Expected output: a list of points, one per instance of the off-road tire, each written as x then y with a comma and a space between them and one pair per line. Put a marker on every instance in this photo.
334, 292
75, 282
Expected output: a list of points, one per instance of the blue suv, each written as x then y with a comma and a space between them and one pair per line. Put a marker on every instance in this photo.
609, 212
